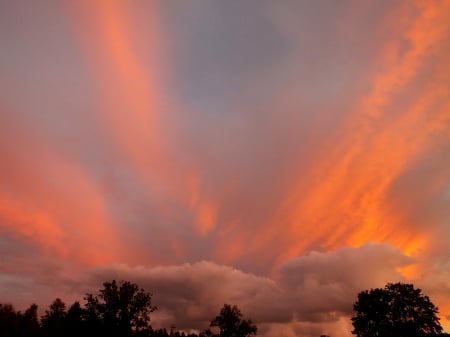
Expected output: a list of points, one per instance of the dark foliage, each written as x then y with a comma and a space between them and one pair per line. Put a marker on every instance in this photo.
119, 310
18, 324
8, 320
231, 323
74, 323
53, 321
397, 310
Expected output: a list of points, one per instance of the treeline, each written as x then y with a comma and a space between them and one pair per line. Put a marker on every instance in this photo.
118, 310
124, 310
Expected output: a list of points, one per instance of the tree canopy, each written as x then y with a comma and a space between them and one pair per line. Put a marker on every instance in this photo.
120, 309
17, 324
231, 323
52, 323
397, 310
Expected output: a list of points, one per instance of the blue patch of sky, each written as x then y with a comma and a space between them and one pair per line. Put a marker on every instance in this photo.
218, 46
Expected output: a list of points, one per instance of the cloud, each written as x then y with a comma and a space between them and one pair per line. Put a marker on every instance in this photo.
266, 139
283, 168
316, 289
37, 201
342, 198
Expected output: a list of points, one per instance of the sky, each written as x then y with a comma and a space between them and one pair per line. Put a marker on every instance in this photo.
281, 156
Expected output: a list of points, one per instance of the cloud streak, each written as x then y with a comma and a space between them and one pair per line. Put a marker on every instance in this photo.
284, 145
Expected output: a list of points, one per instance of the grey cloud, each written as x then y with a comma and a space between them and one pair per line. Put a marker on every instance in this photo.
325, 283
192, 293
319, 287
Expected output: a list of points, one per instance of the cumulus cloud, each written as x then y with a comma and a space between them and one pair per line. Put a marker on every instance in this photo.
316, 289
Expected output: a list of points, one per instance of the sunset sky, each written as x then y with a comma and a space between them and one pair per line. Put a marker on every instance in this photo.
278, 155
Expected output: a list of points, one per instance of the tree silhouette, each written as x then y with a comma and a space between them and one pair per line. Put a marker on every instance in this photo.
8, 320
397, 310
28, 323
74, 322
119, 310
231, 324
52, 323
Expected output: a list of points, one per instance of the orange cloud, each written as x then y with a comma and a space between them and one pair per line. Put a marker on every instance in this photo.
36, 226
127, 73
61, 212
48, 200
344, 196
122, 52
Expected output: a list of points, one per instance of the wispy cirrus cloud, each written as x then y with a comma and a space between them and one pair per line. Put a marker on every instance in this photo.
248, 136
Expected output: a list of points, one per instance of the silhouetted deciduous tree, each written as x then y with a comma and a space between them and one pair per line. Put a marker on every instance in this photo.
397, 310
119, 310
231, 324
